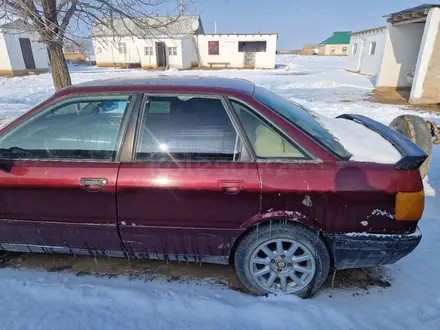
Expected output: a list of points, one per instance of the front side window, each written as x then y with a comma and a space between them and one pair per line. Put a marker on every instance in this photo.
265, 140
213, 48
80, 129
302, 118
185, 129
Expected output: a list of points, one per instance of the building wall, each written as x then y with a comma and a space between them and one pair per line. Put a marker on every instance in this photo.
327, 50
10, 47
363, 62
426, 84
188, 51
5, 64
228, 50
107, 52
401, 49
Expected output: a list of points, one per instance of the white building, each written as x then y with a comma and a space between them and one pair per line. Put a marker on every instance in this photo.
237, 50
411, 59
366, 51
20, 51
180, 45
171, 46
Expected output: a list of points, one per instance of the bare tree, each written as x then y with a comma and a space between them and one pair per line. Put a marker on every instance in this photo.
61, 21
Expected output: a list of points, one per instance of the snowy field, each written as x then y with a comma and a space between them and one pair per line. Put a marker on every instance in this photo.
42, 300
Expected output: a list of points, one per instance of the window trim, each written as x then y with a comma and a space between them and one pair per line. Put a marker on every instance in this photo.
312, 157
121, 134
247, 152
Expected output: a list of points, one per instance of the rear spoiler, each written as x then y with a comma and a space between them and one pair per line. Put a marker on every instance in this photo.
412, 156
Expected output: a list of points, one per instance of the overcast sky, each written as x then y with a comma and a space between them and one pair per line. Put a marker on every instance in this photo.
297, 21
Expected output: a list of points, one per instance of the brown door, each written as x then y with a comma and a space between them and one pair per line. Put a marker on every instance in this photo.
26, 50
160, 54
249, 60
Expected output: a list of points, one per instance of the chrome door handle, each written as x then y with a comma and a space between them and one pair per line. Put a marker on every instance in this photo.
231, 187
85, 182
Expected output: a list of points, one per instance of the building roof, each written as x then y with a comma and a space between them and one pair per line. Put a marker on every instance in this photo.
411, 15
338, 38
378, 29
311, 46
152, 26
420, 8
241, 34
164, 83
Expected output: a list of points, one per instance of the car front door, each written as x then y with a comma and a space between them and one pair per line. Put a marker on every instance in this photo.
190, 183
58, 174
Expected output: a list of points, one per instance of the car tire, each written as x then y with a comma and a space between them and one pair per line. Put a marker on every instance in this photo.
415, 129
249, 251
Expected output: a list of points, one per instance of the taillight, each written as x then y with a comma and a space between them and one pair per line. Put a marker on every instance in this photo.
410, 205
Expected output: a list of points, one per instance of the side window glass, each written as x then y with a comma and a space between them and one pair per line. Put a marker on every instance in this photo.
265, 140
184, 128
80, 129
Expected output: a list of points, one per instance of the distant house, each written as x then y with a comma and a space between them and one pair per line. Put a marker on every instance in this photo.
336, 45
366, 50
182, 44
310, 49
20, 51
411, 59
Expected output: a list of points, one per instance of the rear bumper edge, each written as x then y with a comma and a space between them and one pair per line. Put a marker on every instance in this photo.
358, 250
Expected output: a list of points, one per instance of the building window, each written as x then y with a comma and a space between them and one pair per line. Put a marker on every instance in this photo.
373, 48
213, 48
122, 48
252, 46
148, 51
172, 51
355, 48
98, 50
344, 50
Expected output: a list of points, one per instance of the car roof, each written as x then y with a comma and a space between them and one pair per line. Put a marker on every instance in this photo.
163, 83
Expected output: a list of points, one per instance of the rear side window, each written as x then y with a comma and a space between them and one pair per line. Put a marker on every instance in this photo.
301, 118
265, 140
185, 129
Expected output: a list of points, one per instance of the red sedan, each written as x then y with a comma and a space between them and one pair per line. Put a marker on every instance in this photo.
208, 170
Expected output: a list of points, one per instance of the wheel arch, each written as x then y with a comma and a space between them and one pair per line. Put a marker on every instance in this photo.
276, 221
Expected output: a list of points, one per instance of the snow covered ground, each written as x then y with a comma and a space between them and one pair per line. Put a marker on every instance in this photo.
42, 300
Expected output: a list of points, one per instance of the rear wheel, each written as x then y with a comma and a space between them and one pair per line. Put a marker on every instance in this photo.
282, 258
415, 129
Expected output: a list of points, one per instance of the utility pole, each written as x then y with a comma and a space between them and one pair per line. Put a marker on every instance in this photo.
181, 8
215, 27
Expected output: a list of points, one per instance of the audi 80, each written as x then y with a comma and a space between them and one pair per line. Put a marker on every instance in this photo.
208, 170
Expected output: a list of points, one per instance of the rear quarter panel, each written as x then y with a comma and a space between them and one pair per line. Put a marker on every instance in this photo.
336, 196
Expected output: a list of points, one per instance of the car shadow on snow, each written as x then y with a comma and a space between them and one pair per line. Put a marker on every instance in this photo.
149, 270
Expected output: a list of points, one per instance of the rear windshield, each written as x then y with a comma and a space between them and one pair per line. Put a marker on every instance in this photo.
301, 118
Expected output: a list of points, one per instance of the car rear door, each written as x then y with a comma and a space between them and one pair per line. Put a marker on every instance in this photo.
58, 176
190, 183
